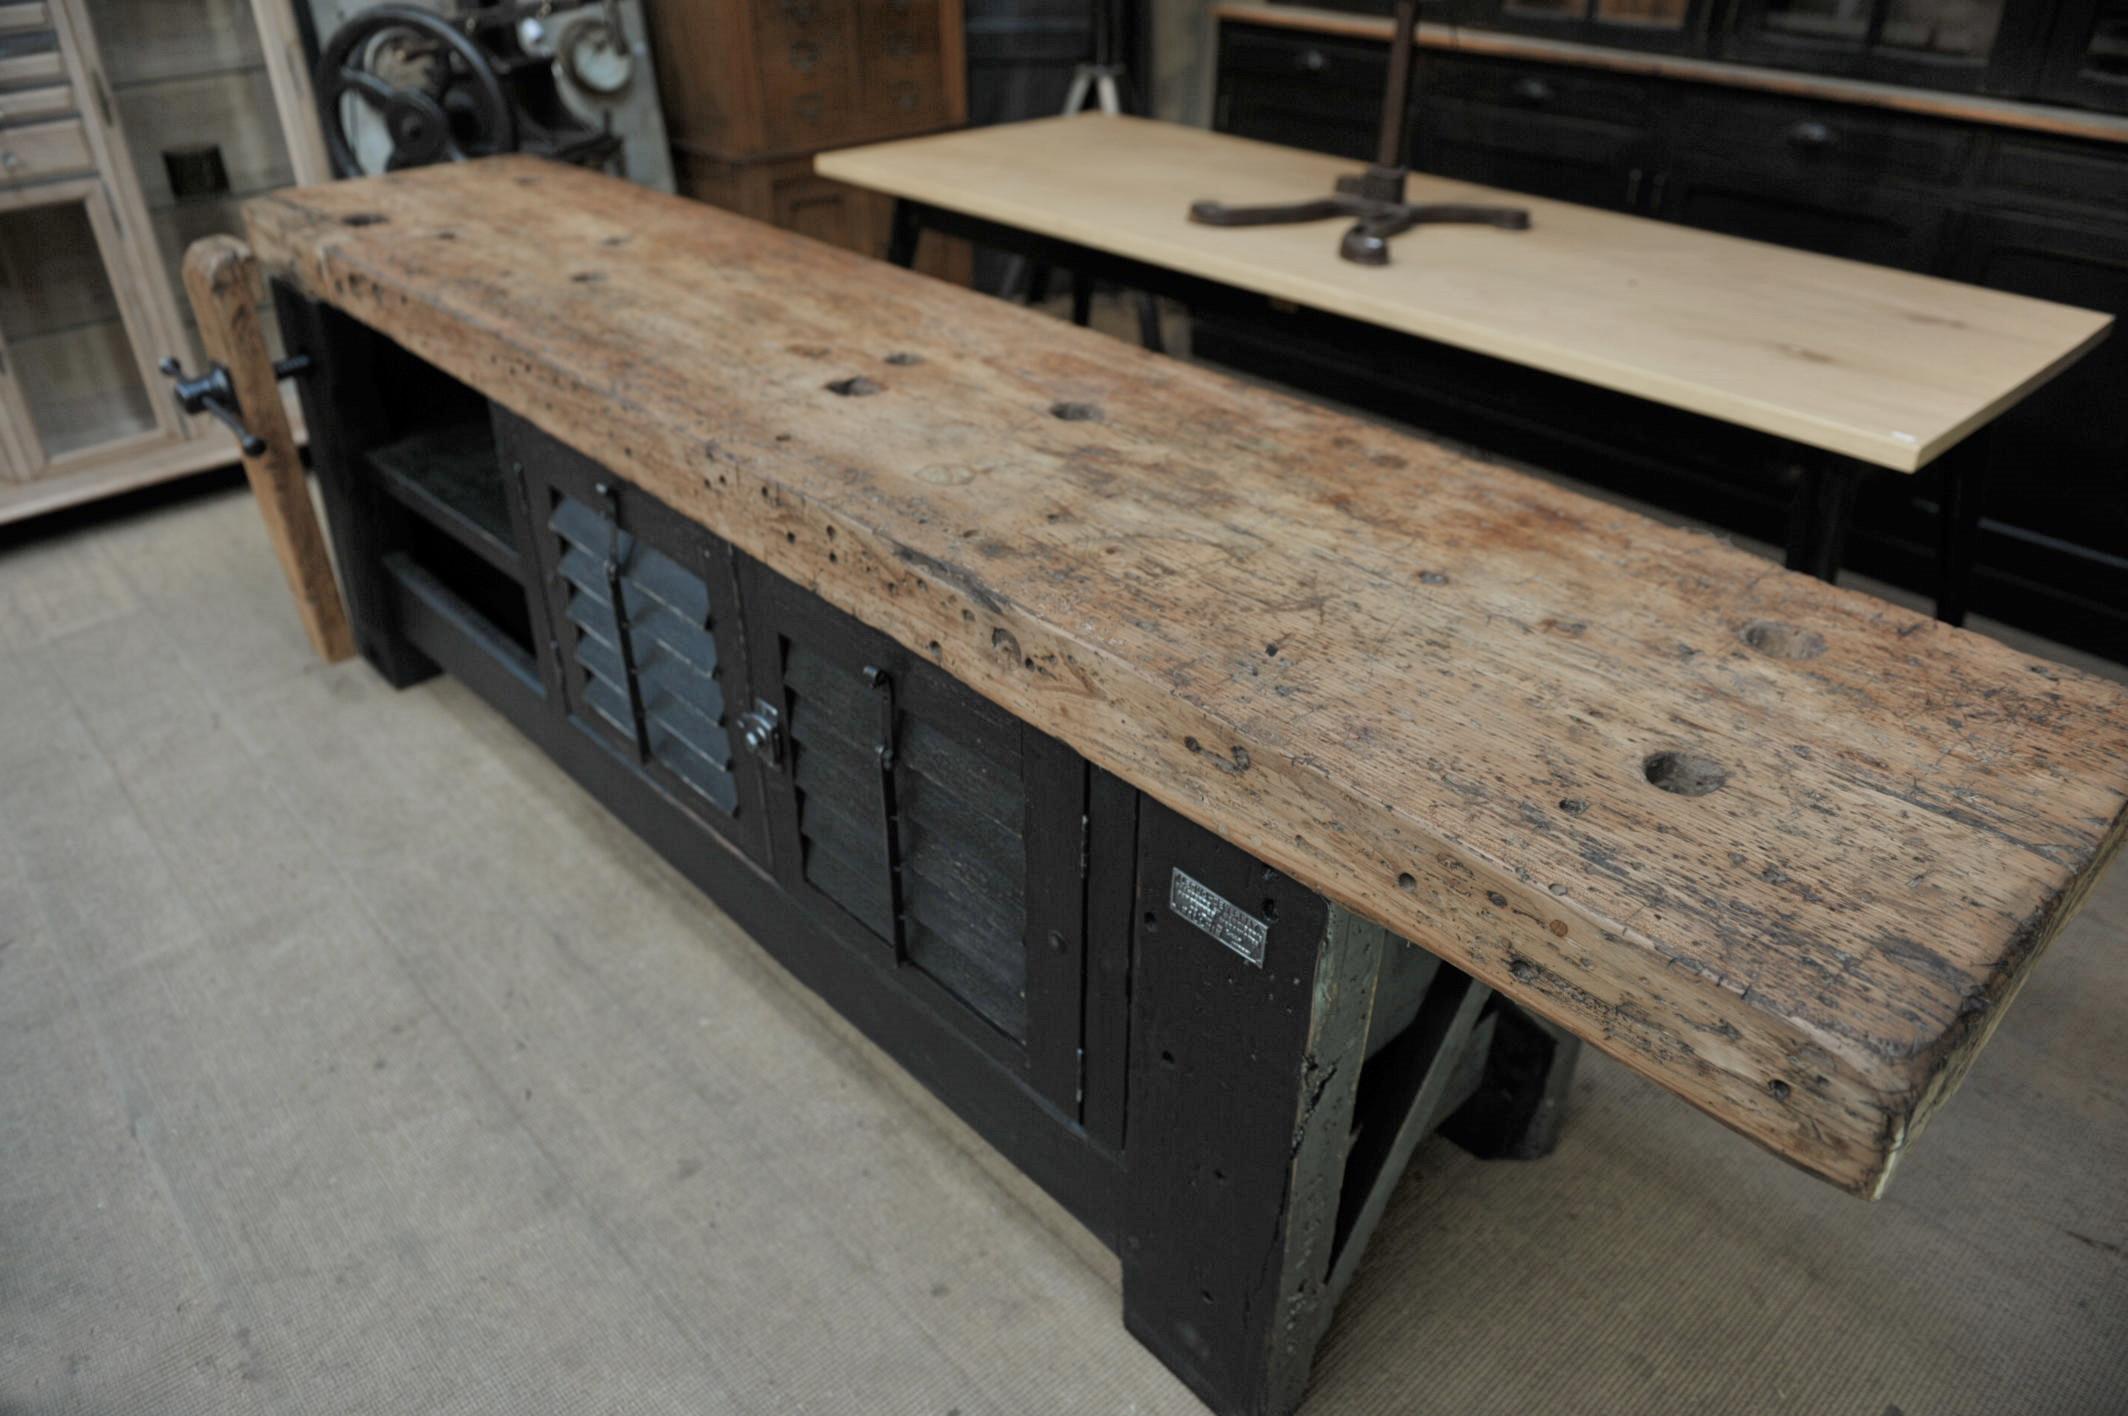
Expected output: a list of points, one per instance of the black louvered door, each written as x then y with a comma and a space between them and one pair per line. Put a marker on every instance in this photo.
927, 826
645, 619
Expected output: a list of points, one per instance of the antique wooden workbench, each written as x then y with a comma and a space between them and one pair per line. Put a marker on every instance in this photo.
1093, 731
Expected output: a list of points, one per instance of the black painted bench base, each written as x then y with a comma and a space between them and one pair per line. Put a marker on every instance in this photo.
1219, 1073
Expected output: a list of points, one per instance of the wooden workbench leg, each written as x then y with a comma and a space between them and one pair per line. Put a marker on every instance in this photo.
1241, 1093
1517, 1109
1965, 477
344, 406
223, 281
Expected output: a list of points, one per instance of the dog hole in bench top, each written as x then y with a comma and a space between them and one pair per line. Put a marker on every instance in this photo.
1684, 773
1782, 641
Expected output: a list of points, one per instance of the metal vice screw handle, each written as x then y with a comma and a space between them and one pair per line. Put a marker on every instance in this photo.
214, 394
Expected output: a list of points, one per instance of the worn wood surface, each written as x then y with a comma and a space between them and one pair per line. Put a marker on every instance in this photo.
1877, 364
223, 280
1431, 689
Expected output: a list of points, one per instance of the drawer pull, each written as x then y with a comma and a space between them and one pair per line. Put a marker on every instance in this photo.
1311, 61
1813, 135
1531, 89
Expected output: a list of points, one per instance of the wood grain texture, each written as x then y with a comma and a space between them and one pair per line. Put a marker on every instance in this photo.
1425, 687
222, 279
1878, 364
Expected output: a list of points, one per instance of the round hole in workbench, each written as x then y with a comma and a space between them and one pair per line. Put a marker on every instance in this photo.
1782, 641
1684, 773
1407, 881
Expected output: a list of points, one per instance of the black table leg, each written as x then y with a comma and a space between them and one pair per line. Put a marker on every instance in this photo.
1149, 323
1820, 515
1965, 474
908, 228
1082, 298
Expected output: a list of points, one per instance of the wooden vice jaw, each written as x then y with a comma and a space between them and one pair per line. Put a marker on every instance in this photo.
242, 388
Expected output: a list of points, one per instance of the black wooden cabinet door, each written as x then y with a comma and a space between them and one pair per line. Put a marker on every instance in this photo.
926, 828
644, 621
2058, 455
1880, 225
2086, 57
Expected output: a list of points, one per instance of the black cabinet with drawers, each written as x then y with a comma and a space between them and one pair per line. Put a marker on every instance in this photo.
2003, 207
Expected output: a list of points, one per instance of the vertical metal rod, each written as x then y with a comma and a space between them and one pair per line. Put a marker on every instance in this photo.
617, 600
1403, 40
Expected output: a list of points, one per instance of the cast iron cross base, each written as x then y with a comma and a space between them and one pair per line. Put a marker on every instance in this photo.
1374, 199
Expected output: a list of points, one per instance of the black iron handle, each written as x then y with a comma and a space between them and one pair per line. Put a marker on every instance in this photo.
214, 394
882, 683
1810, 133
1531, 89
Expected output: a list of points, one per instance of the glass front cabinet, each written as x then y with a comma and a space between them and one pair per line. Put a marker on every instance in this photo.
128, 129
1633, 24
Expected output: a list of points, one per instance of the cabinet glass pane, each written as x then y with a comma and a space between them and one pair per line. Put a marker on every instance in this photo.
2106, 57
1649, 14
1546, 9
1819, 19
1965, 28
190, 82
67, 346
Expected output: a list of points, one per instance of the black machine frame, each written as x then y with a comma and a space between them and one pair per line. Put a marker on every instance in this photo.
1214, 1065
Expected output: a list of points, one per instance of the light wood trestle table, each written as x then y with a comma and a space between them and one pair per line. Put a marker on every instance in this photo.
1856, 366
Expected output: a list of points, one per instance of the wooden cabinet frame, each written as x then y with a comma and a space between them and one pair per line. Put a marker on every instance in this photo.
73, 81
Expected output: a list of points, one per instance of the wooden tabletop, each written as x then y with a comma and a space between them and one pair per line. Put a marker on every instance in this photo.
1786, 849
1878, 364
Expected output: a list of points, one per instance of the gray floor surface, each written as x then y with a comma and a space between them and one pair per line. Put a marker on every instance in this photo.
352, 1060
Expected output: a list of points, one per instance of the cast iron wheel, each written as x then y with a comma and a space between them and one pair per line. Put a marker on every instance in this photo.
446, 104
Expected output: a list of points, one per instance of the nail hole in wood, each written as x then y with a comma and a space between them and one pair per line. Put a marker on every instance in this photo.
1779, 1089
364, 218
903, 359
1075, 412
856, 386
1684, 773
1407, 881
1782, 641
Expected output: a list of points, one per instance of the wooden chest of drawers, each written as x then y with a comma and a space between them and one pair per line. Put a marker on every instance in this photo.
746, 80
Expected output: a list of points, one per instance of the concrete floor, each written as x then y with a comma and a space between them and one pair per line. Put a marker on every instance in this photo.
351, 1059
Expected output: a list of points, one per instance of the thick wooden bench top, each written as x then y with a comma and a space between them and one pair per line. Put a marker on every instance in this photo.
1878, 364
1432, 689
